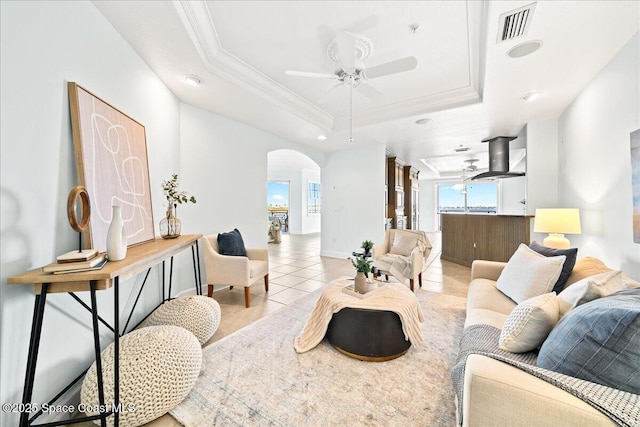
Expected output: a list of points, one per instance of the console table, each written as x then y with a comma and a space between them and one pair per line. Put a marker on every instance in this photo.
139, 258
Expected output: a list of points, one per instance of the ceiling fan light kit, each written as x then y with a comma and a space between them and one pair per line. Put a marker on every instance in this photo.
348, 51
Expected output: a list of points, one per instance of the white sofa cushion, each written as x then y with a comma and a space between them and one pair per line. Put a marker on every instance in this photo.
579, 293
529, 323
590, 288
529, 274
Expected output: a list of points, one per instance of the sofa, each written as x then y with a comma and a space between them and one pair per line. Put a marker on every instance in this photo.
495, 393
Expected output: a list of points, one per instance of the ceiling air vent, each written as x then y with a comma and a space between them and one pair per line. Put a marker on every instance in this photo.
515, 23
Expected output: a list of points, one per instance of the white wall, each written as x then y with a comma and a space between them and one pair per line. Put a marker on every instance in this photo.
43, 46
224, 163
542, 165
352, 199
427, 200
512, 193
595, 164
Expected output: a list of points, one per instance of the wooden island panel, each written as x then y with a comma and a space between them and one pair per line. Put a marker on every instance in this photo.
466, 237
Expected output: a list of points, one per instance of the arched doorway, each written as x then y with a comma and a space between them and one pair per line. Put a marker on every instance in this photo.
304, 207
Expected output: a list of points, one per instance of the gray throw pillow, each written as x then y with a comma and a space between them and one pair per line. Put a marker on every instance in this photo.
599, 342
567, 267
231, 243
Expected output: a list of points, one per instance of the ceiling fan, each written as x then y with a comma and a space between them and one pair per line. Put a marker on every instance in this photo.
471, 167
348, 51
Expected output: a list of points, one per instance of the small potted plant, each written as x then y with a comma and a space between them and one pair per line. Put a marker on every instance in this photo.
276, 226
367, 245
170, 226
363, 268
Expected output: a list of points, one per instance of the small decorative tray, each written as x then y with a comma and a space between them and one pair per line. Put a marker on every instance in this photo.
350, 290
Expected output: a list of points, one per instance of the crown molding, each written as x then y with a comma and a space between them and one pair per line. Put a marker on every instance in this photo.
425, 104
196, 18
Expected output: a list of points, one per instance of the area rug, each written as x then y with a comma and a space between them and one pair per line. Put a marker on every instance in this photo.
254, 377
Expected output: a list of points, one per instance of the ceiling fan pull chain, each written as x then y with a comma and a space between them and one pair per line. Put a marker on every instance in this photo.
351, 112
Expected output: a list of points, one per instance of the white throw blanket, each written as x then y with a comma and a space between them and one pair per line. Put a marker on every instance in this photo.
392, 297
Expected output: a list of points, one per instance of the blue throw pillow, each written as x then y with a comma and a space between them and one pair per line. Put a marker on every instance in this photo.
567, 267
599, 342
231, 243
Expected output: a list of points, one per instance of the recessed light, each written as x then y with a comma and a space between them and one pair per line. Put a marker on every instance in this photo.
322, 137
192, 80
531, 96
461, 149
524, 49
423, 121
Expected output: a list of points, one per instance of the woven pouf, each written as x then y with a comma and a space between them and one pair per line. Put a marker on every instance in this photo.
197, 313
158, 367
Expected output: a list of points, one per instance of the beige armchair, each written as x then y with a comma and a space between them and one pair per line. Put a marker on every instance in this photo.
223, 270
402, 254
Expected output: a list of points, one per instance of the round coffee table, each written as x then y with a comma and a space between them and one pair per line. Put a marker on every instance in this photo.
369, 335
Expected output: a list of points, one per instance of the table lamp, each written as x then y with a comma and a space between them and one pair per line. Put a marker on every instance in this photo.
557, 222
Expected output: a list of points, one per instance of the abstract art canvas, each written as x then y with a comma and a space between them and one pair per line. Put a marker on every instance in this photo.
635, 183
111, 163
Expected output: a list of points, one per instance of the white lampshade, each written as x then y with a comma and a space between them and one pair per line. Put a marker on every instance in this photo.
557, 222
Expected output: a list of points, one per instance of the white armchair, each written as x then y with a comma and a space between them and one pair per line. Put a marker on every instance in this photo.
223, 270
402, 254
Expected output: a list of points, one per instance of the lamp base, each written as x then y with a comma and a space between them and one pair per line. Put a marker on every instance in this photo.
556, 241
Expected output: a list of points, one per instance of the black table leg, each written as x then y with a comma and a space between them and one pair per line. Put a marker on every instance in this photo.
163, 275
116, 352
193, 257
170, 277
199, 270
96, 345
34, 344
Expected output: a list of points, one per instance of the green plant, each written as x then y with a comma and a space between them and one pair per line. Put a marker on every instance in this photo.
173, 195
362, 264
367, 245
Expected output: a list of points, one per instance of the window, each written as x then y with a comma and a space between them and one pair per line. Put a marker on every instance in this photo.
450, 198
314, 198
480, 197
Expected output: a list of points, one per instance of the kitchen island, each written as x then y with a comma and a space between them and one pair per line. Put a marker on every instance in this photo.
466, 237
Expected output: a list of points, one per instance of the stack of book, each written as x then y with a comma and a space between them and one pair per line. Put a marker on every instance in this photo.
77, 261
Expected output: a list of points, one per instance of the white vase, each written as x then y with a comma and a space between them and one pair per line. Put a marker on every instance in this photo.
116, 236
363, 285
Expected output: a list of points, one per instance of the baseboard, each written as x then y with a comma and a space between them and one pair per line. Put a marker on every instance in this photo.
190, 291
335, 254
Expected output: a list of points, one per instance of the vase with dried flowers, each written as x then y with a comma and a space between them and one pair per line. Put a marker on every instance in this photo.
170, 225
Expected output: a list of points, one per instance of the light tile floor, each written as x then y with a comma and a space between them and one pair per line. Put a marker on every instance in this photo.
297, 269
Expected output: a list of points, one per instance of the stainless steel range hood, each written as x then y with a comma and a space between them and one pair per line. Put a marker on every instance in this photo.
498, 159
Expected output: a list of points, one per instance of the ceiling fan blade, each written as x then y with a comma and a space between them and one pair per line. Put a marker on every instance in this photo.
363, 25
369, 91
326, 96
347, 51
314, 75
397, 66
